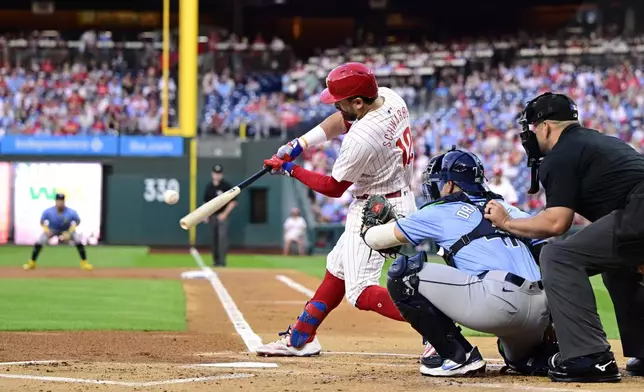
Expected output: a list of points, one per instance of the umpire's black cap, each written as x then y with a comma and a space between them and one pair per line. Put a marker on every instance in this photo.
60, 196
549, 106
217, 169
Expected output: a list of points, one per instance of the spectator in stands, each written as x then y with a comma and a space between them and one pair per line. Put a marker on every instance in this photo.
294, 232
502, 186
277, 44
150, 122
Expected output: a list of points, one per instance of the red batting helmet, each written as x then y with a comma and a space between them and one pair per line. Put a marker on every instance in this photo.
349, 80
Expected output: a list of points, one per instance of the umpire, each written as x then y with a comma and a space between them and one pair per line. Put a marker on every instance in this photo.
218, 221
601, 178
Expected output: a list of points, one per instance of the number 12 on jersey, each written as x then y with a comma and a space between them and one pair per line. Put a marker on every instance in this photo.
406, 144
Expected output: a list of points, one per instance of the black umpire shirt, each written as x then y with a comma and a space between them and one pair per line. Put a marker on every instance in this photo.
213, 191
590, 173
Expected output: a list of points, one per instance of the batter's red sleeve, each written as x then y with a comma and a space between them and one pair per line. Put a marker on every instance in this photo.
326, 185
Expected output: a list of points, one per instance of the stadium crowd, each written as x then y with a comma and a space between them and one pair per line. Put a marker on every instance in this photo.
93, 85
457, 94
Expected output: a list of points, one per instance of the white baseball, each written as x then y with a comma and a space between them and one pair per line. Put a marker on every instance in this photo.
170, 196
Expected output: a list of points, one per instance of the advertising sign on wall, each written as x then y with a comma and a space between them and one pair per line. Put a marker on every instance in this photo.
59, 145
35, 189
130, 146
5, 202
151, 146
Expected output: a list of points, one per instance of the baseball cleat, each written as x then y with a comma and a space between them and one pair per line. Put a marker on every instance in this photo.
283, 348
598, 367
86, 266
30, 265
438, 367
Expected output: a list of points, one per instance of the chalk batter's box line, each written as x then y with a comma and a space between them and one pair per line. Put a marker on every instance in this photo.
70, 380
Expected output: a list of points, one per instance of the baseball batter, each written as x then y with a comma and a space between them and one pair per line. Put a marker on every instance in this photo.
59, 221
491, 283
376, 157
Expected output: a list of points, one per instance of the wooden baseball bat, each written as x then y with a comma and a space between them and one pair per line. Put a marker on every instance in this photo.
214, 205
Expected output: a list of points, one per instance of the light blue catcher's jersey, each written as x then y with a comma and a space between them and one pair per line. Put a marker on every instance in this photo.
446, 223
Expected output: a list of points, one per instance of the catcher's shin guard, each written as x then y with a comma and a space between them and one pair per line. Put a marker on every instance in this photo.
307, 324
424, 317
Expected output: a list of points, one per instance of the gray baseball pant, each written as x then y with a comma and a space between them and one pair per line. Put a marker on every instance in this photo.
517, 315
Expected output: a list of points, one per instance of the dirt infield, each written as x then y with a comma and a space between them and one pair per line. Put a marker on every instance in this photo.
362, 351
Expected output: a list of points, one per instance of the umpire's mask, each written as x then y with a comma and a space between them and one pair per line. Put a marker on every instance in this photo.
547, 106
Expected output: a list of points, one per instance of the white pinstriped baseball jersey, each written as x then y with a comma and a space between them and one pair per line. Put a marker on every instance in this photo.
377, 153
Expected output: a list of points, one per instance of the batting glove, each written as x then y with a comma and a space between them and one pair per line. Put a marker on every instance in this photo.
279, 166
290, 151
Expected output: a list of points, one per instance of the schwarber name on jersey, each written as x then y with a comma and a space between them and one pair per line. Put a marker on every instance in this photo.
377, 153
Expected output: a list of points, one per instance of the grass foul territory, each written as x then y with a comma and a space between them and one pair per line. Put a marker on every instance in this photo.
92, 304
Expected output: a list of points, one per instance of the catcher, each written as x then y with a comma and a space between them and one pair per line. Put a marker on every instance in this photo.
59, 221
491, 282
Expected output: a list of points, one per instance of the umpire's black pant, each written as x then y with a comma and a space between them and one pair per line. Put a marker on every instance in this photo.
219, 241
566, 266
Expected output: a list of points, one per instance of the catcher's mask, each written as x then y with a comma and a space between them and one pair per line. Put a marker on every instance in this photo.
431, 178
461, 167
547, 106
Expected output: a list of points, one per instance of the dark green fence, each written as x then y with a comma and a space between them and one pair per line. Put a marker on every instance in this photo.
134, 211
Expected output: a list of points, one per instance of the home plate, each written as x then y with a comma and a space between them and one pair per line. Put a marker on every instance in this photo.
238, 365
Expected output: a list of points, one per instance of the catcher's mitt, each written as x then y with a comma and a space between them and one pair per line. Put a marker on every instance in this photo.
378, 211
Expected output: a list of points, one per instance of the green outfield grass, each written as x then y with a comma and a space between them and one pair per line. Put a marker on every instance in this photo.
138, 257
99, 256
92, 304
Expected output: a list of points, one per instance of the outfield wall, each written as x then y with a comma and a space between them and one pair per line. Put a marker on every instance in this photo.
132, 209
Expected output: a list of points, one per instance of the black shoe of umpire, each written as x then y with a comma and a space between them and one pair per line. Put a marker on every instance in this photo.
599, 367
635, 367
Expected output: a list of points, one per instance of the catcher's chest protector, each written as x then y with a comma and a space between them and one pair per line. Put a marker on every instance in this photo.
483, 229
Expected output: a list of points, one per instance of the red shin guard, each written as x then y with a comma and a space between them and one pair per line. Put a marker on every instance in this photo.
377, 299
327, 297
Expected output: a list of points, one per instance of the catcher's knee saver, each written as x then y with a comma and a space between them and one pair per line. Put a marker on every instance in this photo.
402, 278
304, 328
420, 313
